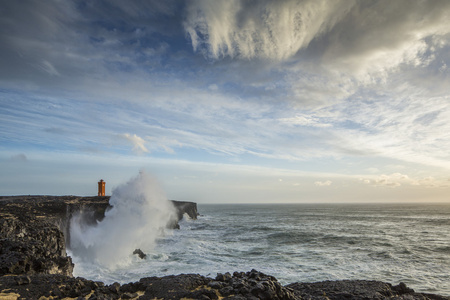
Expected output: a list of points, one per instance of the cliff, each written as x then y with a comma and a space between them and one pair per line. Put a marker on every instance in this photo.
34, 230
34, 264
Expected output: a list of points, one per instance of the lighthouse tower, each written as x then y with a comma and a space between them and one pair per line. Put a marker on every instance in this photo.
101, 188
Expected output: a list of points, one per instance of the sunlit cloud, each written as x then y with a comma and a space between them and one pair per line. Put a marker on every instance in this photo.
397, 179
137, 142
266, 29
323, 183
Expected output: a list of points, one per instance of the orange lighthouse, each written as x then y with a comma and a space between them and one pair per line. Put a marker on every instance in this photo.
101, 188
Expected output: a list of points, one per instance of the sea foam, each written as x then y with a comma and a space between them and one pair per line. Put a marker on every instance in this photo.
140, 214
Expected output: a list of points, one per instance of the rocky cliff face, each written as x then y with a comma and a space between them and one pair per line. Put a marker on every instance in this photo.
34, 230
184, 207
30, 246
30, 242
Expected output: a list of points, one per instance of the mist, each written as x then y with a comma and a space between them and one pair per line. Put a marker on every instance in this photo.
139, 215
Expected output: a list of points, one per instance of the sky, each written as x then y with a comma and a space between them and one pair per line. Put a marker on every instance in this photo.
228, 101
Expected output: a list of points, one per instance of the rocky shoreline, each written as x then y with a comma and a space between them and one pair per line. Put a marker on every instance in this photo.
34, 264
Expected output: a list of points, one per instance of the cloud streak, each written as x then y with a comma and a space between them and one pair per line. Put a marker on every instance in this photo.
137, 142
264, 29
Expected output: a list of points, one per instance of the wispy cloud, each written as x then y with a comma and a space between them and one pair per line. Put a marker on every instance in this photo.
264, 29
137, 142
398, 179
323, 183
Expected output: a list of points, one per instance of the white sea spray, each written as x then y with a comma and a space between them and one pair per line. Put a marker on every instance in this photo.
303, 243
140, 214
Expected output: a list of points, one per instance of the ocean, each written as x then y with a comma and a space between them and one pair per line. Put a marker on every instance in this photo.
394, 243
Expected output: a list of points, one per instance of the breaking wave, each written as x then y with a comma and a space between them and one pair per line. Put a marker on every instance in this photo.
139, 215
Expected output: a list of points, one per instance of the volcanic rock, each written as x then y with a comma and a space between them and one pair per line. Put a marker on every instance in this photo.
139, 253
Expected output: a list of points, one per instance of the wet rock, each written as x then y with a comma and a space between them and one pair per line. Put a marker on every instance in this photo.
215, 285
139, 253
252, 285
115, 288
185, 207
223, 277
401, 289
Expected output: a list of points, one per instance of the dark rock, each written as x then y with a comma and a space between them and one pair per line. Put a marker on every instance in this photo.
131, 287
30, 246
215, 285
185, 207
235, 297
252, 285
23, 280
115, 288
401, 289
226, 291
355, 289
129, 295
174, 287
192, 286
204, 294
237, 274
141, 254
223, 277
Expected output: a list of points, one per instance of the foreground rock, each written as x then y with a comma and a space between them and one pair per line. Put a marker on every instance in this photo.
239, 286
356, 289
31, 246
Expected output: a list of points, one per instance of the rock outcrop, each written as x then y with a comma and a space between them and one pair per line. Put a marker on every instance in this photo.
139, 253
184, 207
30, 246
239, 286
34, 264
34, 230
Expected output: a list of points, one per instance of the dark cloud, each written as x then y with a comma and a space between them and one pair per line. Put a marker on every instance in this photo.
61, 44
19, 157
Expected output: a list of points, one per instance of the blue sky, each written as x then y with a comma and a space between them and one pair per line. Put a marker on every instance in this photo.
228, 101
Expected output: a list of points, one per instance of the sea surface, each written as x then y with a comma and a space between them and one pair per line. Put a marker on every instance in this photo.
407, 243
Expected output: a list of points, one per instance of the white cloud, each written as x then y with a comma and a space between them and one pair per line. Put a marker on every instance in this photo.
164, 143
377, 39
48, 68
347, 38
306, 120
323, 183
265, 29
137, 142
397, 179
